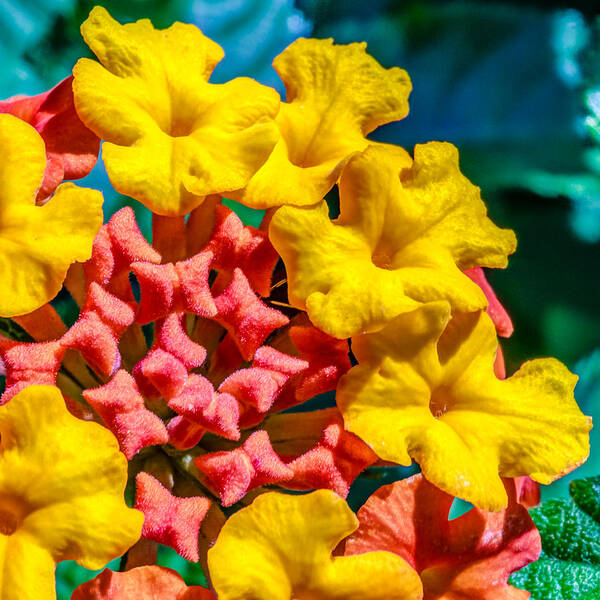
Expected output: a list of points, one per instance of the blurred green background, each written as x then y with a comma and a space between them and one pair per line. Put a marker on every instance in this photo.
516, 86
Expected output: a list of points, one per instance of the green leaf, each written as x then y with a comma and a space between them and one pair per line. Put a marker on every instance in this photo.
555, 579
567, 532
586, 493
569, 567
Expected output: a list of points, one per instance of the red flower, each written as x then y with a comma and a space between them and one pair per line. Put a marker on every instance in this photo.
469, 557
71, 148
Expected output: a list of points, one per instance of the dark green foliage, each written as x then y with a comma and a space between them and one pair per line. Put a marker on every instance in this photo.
569, 567
567, 532
586, 493
554, 579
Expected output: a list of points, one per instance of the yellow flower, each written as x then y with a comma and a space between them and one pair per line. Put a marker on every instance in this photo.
279, 548
405, 232
425, 388
336, 95
61, 494
38, 243
171, 137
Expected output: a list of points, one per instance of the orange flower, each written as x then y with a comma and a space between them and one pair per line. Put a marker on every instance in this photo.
469, 557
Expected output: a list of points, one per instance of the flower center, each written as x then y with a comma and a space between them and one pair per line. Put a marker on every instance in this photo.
181, 124
382, 259
441, 402
12, 513
181, 128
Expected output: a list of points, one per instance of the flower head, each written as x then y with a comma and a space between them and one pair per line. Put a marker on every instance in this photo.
202, 398
171, 137
434, 397
200, 353
406, 231
32, 262
61, 494
280, 548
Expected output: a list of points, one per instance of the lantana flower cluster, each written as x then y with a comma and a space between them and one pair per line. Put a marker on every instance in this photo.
178, 409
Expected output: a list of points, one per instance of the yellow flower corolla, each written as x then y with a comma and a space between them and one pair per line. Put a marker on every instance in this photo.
38, 243
279, 548
425, 389
171, 137
336, 95
406, 231
61, 494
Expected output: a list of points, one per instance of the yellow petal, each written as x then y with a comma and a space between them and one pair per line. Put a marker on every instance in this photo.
62, 482
28, 571
171, 137
331, 274
451, 211
91, 530
426, 391
336, 95
38, 243
279, 548
406, 231
23, 162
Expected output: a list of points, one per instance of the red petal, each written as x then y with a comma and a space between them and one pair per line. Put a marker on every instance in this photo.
170, 520
248, 320
183, 433
269, 358
117, 245
143, 583
171, 337
97, 343
528, 491
334, 463
101, 265
232, 474
260, 385
158, 285
113, 311
29, 364
128, 242
182, 286
123, 411
96, 333
216, 412
163, 371
327, 360
195, 292
253, 386
499, 365
71, 148
235, 245
497, 312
